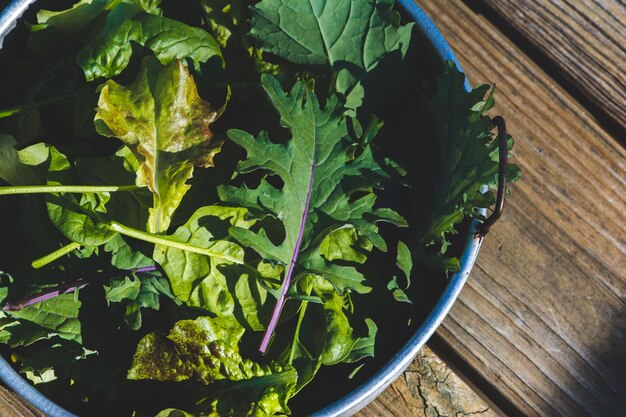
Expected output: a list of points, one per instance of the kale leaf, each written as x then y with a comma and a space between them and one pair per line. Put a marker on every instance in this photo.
327, 186
468, 161
350, 38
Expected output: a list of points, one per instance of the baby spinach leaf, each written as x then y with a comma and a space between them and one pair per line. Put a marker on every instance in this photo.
21, 167
129, 208
74, 20
134, 292
164, 122
203, 281
349, 37
169, 40
122, 289
71, 20
124, 257
325, 188
468, 155
325, 333
206, 351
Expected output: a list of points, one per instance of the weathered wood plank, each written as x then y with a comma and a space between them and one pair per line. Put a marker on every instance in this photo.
584, 40
428, 388
543, 315
11, 405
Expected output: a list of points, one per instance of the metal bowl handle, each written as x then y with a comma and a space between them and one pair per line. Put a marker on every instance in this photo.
500, 124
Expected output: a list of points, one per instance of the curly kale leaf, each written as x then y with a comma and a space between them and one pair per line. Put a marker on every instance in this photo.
469, 160
328, 181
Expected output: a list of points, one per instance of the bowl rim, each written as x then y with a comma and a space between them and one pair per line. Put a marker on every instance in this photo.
375, 385
367, 392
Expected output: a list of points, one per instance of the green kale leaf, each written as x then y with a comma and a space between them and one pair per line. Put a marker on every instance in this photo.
165, 123
328, 181
469, 160
350, 38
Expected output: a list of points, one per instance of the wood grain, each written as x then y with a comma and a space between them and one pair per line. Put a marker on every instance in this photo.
584, 41
543, 317
428, 388
11, 405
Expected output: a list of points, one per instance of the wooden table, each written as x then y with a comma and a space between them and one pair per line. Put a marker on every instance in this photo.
540, 329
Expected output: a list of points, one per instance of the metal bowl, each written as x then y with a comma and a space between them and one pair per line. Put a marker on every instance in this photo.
369, 390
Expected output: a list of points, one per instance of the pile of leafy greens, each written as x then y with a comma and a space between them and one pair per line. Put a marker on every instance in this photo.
205, 204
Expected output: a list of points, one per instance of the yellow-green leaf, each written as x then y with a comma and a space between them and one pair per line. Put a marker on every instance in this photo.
165, 123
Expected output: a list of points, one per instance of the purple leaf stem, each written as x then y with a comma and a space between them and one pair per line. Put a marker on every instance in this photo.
46, 295
59, 290
271, 327
144, 269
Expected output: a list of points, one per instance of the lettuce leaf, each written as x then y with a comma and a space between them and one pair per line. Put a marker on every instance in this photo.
206, 351
165, 123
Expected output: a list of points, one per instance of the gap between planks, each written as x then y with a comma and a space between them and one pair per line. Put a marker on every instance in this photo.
581, 43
